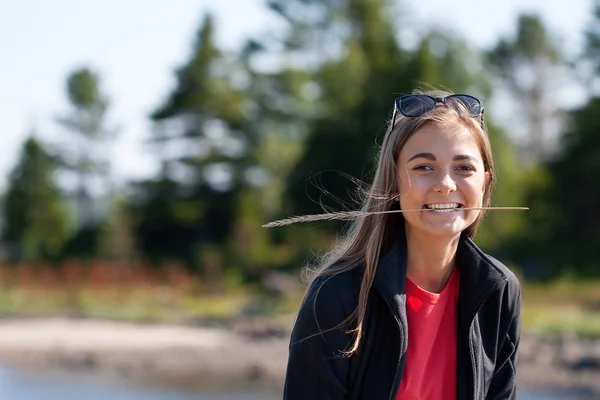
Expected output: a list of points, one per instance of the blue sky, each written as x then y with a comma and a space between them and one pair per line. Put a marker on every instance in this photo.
135, 45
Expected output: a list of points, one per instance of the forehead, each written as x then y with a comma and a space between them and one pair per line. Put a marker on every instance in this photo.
451, 139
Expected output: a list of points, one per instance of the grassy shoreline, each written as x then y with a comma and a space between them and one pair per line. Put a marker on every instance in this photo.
561, 307
564, 306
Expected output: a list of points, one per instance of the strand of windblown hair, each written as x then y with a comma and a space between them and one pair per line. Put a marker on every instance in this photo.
345, 215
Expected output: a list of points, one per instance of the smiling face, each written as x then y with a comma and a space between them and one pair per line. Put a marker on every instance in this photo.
441, 167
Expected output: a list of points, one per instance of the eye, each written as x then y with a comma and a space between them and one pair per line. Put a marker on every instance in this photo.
423, 168
466, 168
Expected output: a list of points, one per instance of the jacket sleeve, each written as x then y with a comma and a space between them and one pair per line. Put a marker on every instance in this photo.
316, 369
503, 385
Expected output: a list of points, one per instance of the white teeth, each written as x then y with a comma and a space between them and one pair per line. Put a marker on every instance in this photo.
445, 206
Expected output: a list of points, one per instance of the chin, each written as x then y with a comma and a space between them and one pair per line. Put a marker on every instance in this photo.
448, 231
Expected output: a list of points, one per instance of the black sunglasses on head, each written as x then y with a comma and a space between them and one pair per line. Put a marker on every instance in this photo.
416, 105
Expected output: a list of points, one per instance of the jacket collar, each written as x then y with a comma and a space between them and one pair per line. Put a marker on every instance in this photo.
479, 276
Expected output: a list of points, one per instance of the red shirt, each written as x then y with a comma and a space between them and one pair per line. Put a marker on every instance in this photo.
430, 369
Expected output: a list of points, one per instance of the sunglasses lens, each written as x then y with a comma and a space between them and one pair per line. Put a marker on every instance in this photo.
471, 103
416, 105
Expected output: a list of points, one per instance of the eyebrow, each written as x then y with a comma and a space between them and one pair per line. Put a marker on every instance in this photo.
431, 156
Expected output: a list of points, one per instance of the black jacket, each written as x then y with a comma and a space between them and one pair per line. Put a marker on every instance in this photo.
489, 324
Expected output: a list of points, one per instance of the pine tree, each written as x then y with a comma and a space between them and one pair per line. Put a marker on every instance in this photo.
85, 149
529, 64
36, 220
205, 144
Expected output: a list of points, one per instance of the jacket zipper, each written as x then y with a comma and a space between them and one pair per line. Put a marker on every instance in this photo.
402, 340
471, 333
473, 363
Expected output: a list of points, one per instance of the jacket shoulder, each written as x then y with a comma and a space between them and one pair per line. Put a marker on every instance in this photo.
329, 292
513, 285
317, 365
325, 312
512, 281
510, 275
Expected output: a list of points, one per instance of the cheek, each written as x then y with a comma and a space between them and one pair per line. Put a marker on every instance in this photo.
413, 193
474, 189
404, 185
403, 180
409, 185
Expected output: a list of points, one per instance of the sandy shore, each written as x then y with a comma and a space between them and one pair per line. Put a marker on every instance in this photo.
247, 353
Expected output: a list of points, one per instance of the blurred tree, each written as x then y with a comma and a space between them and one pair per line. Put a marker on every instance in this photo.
591, 54
251, 249
203, 136
357, 85
279, 102
117, 239
160, 231
499, 227
87, 152
36, 223
530, 66
575, 194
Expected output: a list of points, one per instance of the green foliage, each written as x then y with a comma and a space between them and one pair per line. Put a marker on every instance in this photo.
277, 154
202, 87
36, 220
532, 41
562, 230
510, 190
84, 146
592, 45
528, 64
89, 106
576, 189
82, 88
187, 212
251, 248
531, 45
117, 239
358, 87
240, 145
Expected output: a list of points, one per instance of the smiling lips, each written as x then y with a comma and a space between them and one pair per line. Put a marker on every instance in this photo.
443, 207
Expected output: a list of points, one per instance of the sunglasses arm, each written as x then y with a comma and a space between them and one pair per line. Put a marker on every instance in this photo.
394, 117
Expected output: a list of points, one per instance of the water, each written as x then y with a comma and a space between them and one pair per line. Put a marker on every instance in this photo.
29, 385
573, 394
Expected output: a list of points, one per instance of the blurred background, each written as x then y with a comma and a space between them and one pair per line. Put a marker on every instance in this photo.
146, 142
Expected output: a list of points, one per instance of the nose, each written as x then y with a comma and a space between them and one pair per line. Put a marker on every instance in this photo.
445, 185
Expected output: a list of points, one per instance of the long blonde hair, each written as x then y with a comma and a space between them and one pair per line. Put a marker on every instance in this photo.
366, 237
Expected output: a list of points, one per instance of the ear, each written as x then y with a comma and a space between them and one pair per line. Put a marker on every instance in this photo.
486, 180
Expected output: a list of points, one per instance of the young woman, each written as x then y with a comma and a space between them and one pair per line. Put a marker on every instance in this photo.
407, 307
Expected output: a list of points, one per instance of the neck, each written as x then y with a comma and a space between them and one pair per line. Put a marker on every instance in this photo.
431, 259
